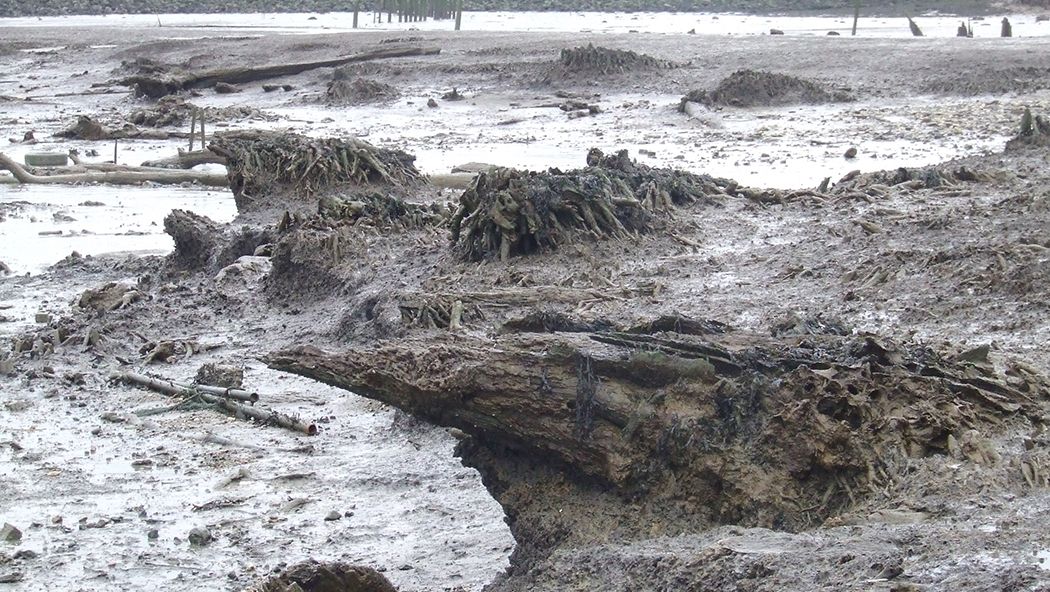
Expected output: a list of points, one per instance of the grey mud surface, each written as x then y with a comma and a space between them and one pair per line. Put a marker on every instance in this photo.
967, 266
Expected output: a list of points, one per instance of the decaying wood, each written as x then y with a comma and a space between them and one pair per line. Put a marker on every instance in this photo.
221, 398
186, 160
703, 416
116, 176
157, 86
176, 389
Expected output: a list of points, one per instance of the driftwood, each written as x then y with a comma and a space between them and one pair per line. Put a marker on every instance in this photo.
159, 85
221, 398
706, 414
114, 175
186, 160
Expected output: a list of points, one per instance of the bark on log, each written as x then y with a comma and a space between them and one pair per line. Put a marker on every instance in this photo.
157, 87
695, 418
117, 176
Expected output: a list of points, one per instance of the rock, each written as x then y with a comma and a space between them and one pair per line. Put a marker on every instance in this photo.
851, 153
10, 533
11, 578
225, 88
109, 297
833, 33
775, 32
271, 87
153, 534
42, 318
200, 537
4, 269
246, 270
25, 555
333, 516
432, 103
222, 375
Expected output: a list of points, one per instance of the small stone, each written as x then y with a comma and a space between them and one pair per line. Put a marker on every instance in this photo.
200, 537
851, 153
432, 103
153, 534
225, 88
333, 515
25, 554
775, 32
43, 318
11, 578
10, 534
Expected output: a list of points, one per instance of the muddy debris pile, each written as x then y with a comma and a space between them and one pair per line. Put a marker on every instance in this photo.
754, 88
507, 213
173, 111
878, 184
383, 211
595, 60
264, 167
609, 436
312, 576
347, 89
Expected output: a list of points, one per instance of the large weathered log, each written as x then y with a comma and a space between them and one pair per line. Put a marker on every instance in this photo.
118, 176
157, 86
701, 422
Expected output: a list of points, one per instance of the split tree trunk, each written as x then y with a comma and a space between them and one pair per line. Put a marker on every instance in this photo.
117, 176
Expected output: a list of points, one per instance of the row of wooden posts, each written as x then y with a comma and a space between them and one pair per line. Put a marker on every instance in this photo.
411, 11
965, 29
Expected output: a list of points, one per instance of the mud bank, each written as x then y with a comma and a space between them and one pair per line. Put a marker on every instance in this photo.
666, 378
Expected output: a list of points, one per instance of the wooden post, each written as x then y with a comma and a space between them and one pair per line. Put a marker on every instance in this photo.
357, 8
856, 16
114, 151
915, 30
1007, 30
459, 14
203, 147
193, 129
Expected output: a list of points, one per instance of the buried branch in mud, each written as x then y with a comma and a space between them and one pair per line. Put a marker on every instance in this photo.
264, 164
221, 398
113, 175
677, 432
507, 212
156, 81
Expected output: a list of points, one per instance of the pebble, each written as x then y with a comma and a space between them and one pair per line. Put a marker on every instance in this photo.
333, 515
11, 578
200, 537
153, 534
851, 153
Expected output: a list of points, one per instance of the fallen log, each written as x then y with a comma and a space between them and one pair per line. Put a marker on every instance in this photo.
159, 85
689, 423
186, 160
187, 390
115, 176
221, 398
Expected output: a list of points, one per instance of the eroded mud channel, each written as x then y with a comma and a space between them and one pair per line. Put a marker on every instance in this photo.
523, 311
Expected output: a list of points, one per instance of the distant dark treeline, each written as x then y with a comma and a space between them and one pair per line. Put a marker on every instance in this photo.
10, 8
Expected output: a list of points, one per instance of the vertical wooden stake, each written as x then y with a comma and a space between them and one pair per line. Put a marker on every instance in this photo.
856, 16
114, 151
202, 131
459, 14
193, 129
357, 8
